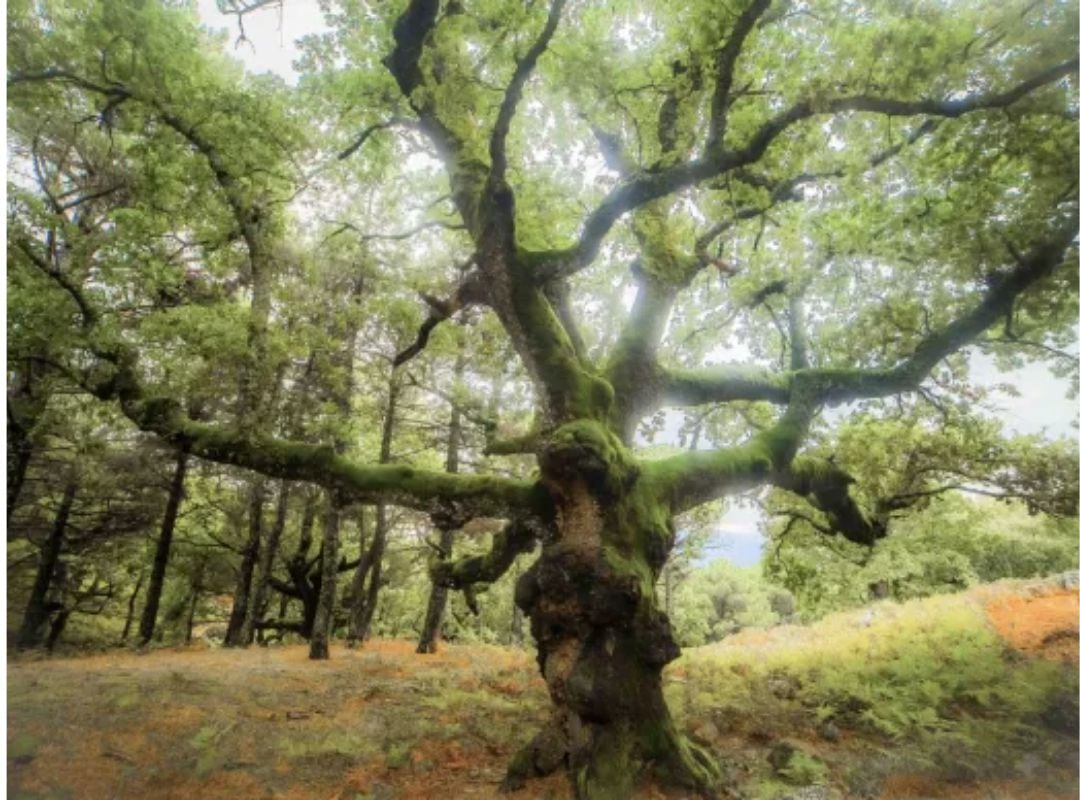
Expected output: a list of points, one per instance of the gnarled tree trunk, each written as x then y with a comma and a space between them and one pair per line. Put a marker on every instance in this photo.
602, 638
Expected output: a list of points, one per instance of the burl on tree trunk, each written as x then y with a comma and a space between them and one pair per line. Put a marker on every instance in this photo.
602, 638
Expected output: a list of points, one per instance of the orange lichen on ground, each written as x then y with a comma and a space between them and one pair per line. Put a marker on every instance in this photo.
921, 787
1047, 625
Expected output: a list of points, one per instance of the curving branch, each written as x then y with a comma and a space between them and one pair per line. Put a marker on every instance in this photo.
725, 70
839, 385
366, 134
692, 478
827, 488
469, 292
524, 69
517, 537
647, 186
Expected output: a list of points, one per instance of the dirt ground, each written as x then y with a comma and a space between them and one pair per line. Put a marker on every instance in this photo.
378, 723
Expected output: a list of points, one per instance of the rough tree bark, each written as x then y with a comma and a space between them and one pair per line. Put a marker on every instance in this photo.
163, 549
242, 594
37, 612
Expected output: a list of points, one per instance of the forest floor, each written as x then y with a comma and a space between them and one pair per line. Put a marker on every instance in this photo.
969, 697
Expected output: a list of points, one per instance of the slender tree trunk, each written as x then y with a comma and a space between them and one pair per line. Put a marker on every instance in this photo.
356, 586
436, 607
242, 595
323, 626
266, 566
37, 612
25, 405
164, 547
370, 566
364, 611
20, 451
56, 628
196, 593
517, 627
130, 618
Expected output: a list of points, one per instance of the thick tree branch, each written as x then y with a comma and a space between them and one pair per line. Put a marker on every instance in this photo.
826, 487
410, 31
692, 478
725, 70
647, 186
722, 384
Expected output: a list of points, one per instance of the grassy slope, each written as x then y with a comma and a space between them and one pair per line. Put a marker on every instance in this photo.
963, 697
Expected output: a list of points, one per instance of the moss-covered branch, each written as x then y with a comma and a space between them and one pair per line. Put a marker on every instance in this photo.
473, 495
842, 385
724, 383
517, 537
690, 479
826, 487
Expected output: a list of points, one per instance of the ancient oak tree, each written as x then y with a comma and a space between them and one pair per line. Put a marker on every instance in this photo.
766, 209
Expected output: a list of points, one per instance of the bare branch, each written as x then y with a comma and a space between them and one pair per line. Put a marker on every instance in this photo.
525, 67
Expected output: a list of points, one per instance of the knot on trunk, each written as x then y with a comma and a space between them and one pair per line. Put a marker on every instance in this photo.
587, 450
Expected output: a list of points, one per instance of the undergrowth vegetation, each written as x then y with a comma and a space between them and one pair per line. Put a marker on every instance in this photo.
930, 684
963, 693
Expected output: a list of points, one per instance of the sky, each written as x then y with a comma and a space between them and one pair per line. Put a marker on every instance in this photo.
1041, 407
